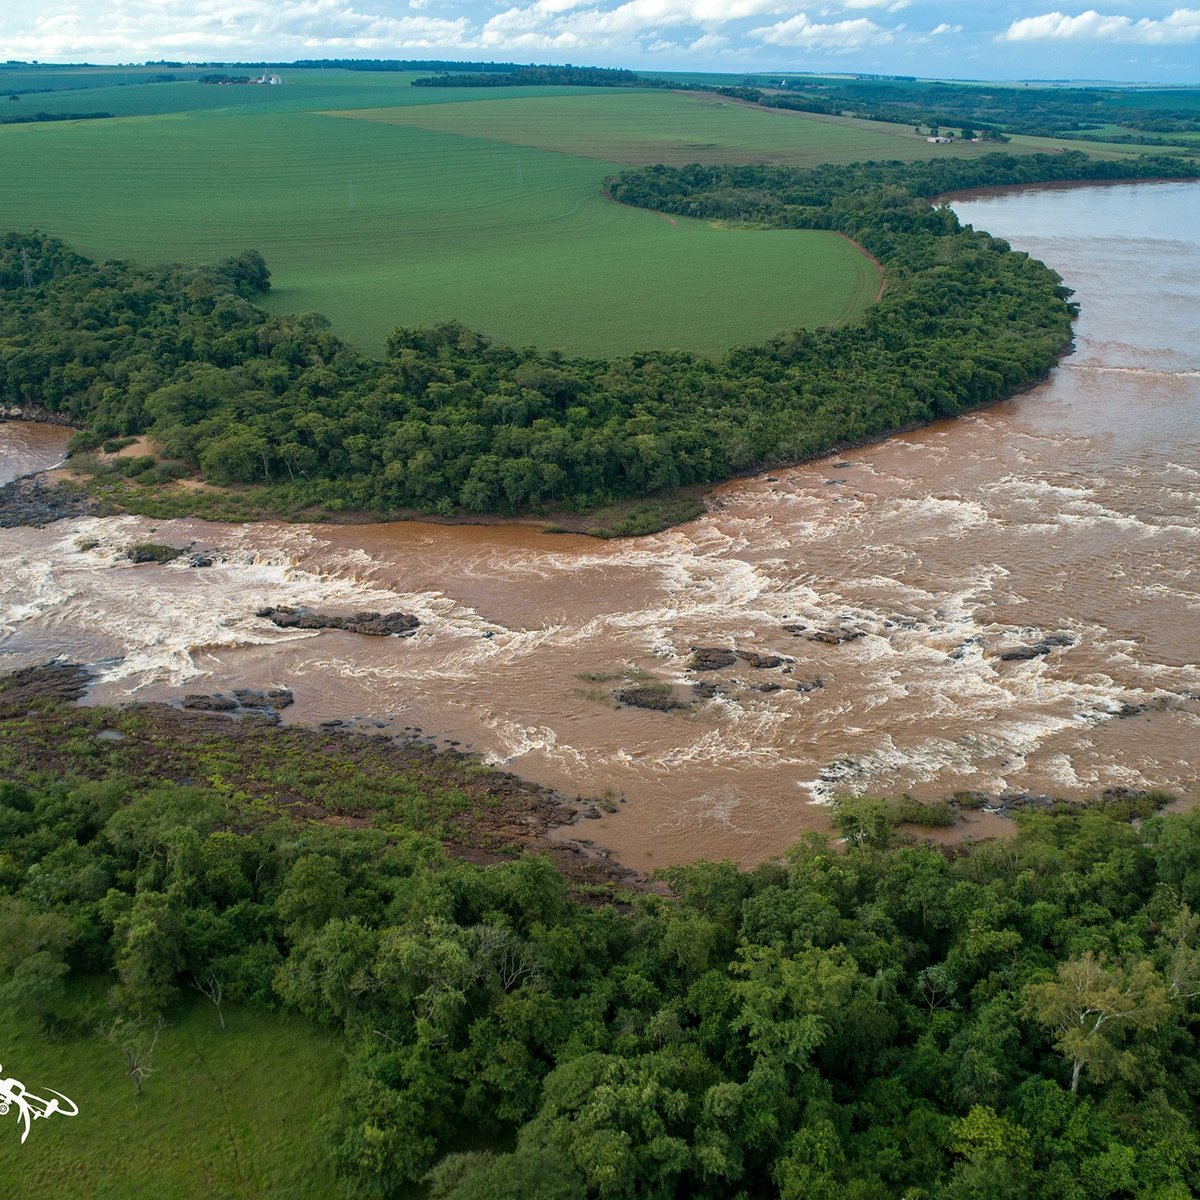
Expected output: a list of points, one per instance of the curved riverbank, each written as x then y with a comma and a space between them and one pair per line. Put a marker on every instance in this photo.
1064, 517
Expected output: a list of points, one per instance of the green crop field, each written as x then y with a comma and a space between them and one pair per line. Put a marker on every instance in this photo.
676, 128
252, 1095
483, 205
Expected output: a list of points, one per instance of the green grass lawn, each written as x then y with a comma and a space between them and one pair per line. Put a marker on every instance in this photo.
229, 1114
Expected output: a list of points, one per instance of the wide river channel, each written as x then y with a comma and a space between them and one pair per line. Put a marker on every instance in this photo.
1068, 513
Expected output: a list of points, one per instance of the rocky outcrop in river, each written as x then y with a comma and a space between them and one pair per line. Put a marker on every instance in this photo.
32, 501
396, 624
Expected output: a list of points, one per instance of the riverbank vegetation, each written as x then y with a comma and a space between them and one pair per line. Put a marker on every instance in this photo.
449, 421
879, 1019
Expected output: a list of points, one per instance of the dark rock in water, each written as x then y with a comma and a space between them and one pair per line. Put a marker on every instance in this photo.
810, 685
1038, 649
216, 703
395, 624
835, 637
794, 629
711, 658
656, 696
1023, 653
765, 687
33, 502
1011, 801
275, 698
200, 560
702, 689
840, 466
62, 682
335, 723
153, 552
760, 660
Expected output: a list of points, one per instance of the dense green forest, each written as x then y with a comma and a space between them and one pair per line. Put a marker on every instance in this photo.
879, 1019
448, 420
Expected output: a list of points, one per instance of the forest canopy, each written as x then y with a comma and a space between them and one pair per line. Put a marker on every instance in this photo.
449, 420
1016, 1020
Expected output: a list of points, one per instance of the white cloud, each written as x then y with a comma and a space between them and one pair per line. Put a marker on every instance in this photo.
132, 30
1182, 26
938, 30
888, 5
636, 24
837, 36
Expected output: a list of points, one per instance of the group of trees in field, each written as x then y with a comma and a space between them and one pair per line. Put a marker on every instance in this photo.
1016, 1019
448, 419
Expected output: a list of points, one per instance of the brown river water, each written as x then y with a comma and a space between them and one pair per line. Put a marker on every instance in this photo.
1071, 510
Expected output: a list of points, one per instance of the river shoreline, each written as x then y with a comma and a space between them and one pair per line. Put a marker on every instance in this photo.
510, 816
507, 816
914, 577
73, 492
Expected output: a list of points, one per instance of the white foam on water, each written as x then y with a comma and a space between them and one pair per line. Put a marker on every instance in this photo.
27, 590
518, 740
162, 615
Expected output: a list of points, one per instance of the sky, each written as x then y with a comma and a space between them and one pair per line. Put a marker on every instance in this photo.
1124, 40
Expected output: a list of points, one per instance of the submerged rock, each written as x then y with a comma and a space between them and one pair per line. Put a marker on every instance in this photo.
656, 696
154, 552
274, 698
835, 637
214, 703
396, 624
711, 658
761, 660
1037, 649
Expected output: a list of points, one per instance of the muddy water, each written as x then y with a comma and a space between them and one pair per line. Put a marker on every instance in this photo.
27, 447
1070, 512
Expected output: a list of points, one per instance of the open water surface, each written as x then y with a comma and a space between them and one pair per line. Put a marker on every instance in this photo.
1069, 512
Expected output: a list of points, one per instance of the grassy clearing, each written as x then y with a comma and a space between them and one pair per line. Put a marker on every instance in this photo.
378, 226
252, 1096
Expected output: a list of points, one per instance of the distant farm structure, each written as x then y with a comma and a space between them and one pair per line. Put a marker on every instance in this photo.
225, 80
